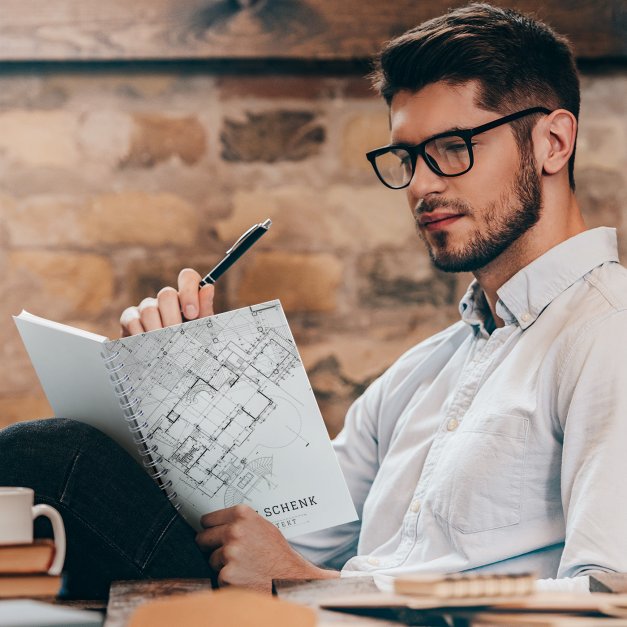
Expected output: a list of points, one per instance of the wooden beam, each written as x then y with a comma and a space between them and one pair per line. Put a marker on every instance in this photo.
251, 29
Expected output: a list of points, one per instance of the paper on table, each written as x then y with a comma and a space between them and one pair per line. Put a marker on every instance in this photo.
25, 613
611, 604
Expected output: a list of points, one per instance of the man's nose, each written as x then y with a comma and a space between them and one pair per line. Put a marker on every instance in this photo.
424, 181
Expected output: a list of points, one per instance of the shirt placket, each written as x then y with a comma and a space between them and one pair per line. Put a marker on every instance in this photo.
472, 376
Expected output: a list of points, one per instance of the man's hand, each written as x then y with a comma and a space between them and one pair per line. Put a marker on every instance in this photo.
170, 306
248, 551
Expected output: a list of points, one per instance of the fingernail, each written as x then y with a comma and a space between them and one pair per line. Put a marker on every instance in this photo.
190, 312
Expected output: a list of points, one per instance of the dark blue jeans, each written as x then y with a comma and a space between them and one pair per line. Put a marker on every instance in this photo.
119, 525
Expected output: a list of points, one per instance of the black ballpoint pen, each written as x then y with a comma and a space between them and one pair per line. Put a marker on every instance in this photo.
236, 251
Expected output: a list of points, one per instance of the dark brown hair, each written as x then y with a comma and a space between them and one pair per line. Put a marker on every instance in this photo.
519, 61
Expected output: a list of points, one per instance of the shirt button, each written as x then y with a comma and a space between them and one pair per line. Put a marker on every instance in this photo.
525, 317
453, 423
373, 561
415, 506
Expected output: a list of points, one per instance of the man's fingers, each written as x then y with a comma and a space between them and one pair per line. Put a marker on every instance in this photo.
211, 539
223, 579
216, 559
227, 515
221, 517
188, 293
149, 314
169, 306
205, 296
130, 322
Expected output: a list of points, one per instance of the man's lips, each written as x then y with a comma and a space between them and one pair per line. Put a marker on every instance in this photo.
433, 221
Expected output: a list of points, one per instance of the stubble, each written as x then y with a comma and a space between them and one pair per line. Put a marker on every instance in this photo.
504, 222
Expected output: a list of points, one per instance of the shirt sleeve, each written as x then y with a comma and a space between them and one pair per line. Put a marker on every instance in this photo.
363, 442
592, 406
356, 447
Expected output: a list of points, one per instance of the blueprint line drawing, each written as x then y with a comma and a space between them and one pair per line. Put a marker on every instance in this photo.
227, 404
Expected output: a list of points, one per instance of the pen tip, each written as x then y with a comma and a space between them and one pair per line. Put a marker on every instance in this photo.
267, 223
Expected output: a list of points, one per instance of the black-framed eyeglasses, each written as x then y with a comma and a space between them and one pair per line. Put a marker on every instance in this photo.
446, 154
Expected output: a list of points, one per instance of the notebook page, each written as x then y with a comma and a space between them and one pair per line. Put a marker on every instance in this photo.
229, 406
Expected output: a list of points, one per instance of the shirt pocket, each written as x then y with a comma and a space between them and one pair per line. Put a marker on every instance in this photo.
478, 481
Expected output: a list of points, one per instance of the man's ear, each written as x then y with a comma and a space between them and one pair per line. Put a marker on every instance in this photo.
556, 140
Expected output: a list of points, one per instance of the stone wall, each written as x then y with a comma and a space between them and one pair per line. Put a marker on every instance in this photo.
114, 179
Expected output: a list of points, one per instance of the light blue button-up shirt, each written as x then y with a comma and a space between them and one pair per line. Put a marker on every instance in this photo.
502, 451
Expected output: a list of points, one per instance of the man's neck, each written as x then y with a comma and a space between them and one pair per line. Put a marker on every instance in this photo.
553, 228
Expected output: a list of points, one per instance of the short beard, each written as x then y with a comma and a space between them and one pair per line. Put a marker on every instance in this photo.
501, 229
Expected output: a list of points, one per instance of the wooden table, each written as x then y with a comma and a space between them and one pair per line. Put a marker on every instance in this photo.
126, 596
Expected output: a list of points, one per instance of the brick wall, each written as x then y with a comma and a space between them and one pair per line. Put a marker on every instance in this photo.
113, 180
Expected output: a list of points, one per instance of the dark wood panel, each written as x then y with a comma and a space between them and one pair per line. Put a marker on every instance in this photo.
245, 29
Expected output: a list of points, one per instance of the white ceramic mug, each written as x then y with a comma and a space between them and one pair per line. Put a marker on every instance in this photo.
17, 514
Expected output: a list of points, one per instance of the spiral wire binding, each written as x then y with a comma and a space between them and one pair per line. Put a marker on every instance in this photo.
109, 358
132, 415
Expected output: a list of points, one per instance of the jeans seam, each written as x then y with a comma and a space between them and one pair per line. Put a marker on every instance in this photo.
66, 481
63, 506
156, 543
85, 522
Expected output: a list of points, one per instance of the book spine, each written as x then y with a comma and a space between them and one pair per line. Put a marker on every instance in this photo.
137, 425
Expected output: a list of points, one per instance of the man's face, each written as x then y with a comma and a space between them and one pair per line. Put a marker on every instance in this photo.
466, 221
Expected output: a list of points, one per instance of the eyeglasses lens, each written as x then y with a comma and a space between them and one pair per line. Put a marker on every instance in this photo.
450, 154
395, 167
446, 155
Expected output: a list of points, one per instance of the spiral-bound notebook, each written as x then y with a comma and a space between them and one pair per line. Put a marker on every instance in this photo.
218, 410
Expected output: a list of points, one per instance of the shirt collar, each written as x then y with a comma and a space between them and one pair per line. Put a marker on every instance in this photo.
474, 309
523, 298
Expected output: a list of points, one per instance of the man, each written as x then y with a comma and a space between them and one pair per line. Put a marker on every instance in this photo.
498, 443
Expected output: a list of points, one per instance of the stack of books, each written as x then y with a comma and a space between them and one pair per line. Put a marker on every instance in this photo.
24, 570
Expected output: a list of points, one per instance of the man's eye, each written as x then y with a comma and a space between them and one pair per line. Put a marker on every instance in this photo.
455, 147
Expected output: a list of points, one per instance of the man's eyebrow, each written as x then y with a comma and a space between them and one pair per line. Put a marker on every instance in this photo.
454, 129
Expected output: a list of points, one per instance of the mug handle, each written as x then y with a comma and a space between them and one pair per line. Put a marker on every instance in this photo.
59, 535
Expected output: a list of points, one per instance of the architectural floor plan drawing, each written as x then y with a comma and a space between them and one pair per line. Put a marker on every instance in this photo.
227, 409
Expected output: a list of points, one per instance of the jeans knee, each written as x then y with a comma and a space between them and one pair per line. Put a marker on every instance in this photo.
48, 436
49, 427
43, 454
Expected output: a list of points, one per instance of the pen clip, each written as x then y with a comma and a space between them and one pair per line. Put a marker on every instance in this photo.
264, 225
241, 238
